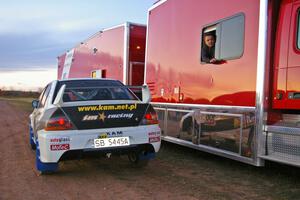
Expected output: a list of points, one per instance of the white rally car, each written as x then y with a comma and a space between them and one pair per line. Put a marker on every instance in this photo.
92, 116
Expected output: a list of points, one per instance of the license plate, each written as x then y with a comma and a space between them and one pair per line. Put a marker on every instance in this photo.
111, 142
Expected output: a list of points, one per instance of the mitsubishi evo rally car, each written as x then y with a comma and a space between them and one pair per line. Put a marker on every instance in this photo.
97, 116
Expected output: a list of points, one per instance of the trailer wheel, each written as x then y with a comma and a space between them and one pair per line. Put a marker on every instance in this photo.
139, 159
31, 141
44, 168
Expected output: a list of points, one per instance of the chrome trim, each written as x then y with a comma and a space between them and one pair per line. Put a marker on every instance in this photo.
178, 110
146, 49
114, 27
155, 5
240, 108
241, 135
270, 158
155, 108
219, 152
126, 52
219, 113
261, 71
283, 129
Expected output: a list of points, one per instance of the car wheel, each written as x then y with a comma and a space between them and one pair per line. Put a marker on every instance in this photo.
31, 141
44, 168
140, 159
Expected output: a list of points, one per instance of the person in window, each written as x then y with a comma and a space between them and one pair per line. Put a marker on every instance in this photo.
208, 49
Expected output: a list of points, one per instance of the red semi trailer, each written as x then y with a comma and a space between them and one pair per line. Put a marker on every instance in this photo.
246, 106
117, 52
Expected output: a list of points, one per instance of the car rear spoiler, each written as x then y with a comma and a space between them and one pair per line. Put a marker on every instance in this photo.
146, 96
59, 97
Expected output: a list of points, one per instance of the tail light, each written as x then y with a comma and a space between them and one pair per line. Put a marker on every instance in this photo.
150, 117
58, 122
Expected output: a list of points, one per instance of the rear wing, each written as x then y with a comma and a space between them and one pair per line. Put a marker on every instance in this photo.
139, 92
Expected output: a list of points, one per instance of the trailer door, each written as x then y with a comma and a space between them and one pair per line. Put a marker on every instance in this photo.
136, 73
293, 70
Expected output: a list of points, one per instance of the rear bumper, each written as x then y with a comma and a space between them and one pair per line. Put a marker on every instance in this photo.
54, 144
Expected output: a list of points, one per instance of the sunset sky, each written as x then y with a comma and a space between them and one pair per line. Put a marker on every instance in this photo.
33, 33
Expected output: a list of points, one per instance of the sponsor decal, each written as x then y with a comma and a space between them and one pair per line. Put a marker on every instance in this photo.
107, 107
153, 134
60, 140
89, 117
154, 137
120, 116
111, 134
59, 147
102, 117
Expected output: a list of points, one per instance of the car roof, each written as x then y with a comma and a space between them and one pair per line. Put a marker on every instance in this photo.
84, 79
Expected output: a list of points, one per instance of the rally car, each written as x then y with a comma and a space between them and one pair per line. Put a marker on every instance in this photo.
76, 117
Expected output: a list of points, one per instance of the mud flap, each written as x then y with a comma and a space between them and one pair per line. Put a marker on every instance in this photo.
146, 156
44, 167
31, 141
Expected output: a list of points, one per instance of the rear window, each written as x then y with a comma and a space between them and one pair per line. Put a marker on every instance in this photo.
91, 90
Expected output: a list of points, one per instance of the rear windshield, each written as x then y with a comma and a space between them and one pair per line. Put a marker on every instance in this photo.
90, 90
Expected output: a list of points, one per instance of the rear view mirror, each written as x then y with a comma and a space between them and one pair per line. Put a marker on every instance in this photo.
35, 103
146, 94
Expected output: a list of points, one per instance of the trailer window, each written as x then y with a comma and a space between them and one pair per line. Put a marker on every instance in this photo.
229, 39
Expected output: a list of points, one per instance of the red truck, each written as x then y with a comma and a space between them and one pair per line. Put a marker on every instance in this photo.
244, 103
117, 52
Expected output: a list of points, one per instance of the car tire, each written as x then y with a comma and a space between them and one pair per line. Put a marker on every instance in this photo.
140, 159
31, 141
44, 168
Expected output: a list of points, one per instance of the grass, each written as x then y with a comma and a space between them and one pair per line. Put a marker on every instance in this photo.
24, 103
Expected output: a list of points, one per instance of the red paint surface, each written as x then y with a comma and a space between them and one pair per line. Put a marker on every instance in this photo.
109, 55
173, 60
60, 65
287, 58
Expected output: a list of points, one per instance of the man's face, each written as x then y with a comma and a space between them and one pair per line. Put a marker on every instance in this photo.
209, 41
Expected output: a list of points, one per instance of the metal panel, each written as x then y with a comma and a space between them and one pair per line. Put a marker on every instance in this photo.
226, 131
126, 53
282, 144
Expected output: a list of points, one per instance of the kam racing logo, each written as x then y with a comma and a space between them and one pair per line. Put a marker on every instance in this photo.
102, 117
129, 107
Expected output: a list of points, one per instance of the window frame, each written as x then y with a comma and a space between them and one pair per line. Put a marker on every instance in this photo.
215, 28
297, 38
45, 96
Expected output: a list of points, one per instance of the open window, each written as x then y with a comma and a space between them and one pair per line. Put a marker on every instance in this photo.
100, 73
229, 39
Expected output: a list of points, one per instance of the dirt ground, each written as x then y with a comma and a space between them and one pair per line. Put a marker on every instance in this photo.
177, 173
